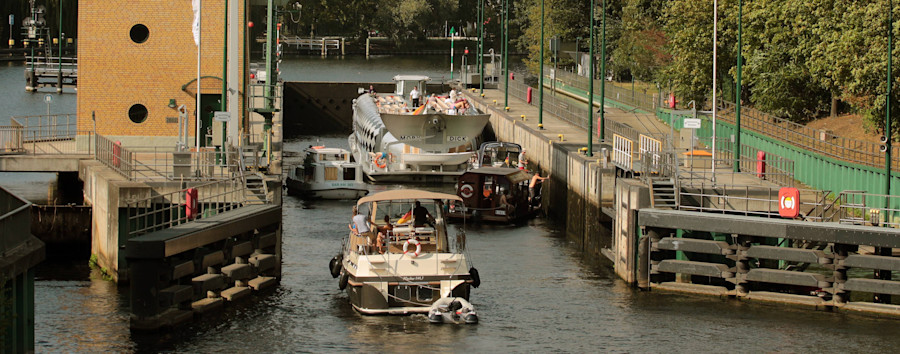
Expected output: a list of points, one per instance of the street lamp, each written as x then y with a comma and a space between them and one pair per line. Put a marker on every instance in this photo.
590, 110
541, 81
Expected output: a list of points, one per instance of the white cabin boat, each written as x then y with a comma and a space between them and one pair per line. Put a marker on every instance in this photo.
419, 264
327, 173
396, 142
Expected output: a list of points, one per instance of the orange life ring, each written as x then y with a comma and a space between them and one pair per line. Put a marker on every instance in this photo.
380, 161
466, 191
415, 242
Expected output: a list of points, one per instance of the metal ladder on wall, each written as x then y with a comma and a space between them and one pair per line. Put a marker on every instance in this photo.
663, 193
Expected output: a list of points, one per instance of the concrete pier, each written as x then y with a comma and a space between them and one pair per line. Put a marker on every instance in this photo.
20, 252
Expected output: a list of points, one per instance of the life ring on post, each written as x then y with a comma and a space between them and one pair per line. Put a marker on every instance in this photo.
415, 242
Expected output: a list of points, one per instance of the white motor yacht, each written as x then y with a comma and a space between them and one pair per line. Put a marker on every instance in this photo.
414, 266
396, 142
327, 173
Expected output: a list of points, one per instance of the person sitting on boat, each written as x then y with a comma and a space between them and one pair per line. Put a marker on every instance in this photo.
372, 90
384, 232
451, 106
534, 181
453, 94
414, 96
504, 200
460, 104
421, 216
360, 226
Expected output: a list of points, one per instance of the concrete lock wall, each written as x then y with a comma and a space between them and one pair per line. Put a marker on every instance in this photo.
578, 188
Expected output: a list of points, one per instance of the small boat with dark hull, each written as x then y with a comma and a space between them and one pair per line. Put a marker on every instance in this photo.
415, 267
497, 194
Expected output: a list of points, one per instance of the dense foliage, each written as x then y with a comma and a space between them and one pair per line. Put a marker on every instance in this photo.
802, 58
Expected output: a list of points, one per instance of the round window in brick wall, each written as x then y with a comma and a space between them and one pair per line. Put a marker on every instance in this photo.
137, 113
139, 33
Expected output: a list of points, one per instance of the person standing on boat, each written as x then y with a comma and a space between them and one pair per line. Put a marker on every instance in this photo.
453, 94
372, 90
522, 160
421, 216
414, 96
361, 226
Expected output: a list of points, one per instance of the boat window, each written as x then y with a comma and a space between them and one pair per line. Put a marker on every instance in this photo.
350, 173
331, 173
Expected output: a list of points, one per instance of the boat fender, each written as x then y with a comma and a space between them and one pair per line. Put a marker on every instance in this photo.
415, 242
476, 280
342, 284
335, 265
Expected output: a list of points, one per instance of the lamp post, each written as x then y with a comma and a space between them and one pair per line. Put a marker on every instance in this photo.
481, 46
887, 251
224, 59
715, 27
590, 140
541, 81
59, 78
737, 94
505, 52
602, 134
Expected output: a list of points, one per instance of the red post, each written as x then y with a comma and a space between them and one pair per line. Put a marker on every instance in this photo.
761, 164
528, 95
191, 207
512, 75
117, 152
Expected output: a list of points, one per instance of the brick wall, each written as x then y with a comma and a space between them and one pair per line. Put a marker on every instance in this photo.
116, 73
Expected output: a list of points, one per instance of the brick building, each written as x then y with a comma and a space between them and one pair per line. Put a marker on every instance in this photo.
138, 63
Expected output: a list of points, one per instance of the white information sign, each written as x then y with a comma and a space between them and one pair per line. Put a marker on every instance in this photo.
692, 123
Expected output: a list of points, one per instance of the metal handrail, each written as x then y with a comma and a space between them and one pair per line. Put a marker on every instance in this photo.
167, 210
846, 149
755, 201
163, 164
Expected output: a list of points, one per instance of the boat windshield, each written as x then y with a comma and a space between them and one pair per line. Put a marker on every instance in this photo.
404, 222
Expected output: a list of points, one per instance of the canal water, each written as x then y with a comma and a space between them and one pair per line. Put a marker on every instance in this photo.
538, 292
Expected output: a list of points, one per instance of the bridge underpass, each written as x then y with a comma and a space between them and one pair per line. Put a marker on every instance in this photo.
312, 108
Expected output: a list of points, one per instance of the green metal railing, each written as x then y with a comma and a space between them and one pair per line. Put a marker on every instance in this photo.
817, 141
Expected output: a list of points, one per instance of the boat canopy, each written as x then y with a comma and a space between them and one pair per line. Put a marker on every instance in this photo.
412, 78
406, 194
514, 175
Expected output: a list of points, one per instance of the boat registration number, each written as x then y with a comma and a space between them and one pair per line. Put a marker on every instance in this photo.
499, 212
457, 139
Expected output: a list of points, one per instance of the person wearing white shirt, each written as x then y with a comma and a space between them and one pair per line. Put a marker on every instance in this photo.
414, 96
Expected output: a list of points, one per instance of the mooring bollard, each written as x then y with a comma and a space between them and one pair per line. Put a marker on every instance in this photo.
523, 118
561, 138
495, 101
540, 126
507, 108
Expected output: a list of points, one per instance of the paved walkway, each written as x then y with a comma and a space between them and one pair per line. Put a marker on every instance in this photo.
643, 123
